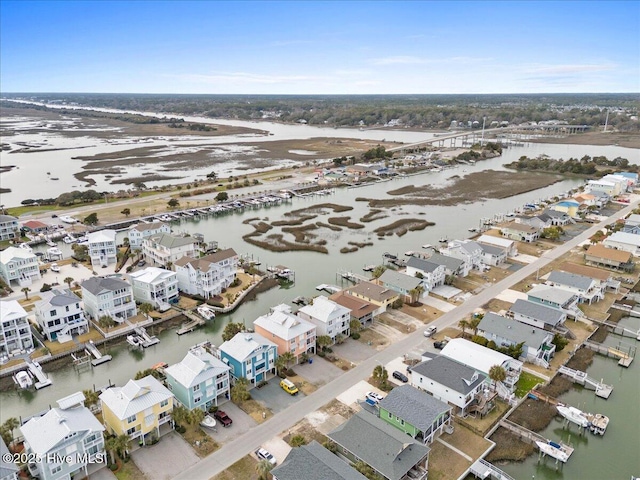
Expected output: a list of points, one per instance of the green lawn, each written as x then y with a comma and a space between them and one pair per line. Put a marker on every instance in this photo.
526, 383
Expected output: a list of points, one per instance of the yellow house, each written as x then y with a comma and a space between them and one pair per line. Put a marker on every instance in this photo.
138, 409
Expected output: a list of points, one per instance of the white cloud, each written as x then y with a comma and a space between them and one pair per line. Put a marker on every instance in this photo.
244, 77
567, 69
411, 60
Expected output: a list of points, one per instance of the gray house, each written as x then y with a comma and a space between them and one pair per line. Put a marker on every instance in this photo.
587, 289
452, 265
536, 314
402, 283
314, 462
392, 454
8, 470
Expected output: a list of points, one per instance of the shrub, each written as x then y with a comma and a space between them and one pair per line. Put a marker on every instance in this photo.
213, 409
45, 287
479, 340
355, 336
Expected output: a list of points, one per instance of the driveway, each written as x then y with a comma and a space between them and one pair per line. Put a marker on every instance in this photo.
319, 372
241, 424
274, 397
278, 448
102, 474
167, 458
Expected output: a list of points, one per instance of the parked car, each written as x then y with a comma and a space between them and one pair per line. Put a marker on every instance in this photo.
263, 454
374, 397
430, 331
400, 376
54, 216
223, 418
439, 345
55, 267
142, 263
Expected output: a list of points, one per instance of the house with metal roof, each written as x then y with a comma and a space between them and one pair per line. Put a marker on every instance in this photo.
207, 276
139, 232
452, 382
389, 452
493, 255
15, 332
9, 229
70, 429
468, 251
8, 468
290, 332
452, 265
558, 218
411, 288
329, 317
627, 242
359, 309
557, 298
539, 222
314, 462
505, 332
60, 314
157, 286
587, 289
433, 274
108, 296
139, 409
200, 380
377, 294
509, 246
415, 413
19, 266
568, 206
601, 256
165, 249
632, 224
102, 247
519, 232
250, 355
533, 312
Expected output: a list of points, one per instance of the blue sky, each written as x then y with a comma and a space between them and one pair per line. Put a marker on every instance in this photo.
332, 47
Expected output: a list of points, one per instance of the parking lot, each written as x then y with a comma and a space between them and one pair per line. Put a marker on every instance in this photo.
274, 397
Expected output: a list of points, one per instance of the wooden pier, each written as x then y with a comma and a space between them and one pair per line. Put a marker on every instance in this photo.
193, 323
625, 358
92, 350
602, 390
37, 373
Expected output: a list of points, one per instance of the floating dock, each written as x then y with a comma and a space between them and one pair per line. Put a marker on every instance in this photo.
602, 390
328, 288
92, 350
146, 340
36, 371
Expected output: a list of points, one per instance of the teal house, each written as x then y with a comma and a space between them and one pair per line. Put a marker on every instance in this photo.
249, 355
200, 380
415, 412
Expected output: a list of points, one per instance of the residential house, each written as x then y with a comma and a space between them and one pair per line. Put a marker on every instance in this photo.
289, 332
506, 332
389, 452
539, 222
632, 177
493, 255
520, 232
249, 355
9, 229
330, 318
432, 274
360, 310
482, 359
376, 294
599, 185
200, 380
139, 409
36, 227
627, 242
558, 218
69, 431
9, 469
452, 265
570, 207
632, 224
587, 289
18, 266
602, 198
415, 413
156, 286
586, 200
509, 246
411, 287
602, 256
314, 462
544, 309
468, 251
15, 333
452, 382
141, 231
603, 276
208, 275
108, 296
102, 247
165, 249
59, 313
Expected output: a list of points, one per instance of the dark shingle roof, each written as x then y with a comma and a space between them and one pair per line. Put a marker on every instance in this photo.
548, 315
451, 263
492, 250
450, 373
413, 406
400, 280
570, 279
96, 285
422, 264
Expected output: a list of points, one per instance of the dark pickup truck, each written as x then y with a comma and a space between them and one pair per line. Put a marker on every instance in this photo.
223, 418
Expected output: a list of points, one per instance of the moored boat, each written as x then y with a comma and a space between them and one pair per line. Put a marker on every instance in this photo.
206, 312
573, 415
134, 340
598, 423
558, 451
23, 379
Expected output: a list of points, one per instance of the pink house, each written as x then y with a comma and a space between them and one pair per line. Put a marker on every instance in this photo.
288, 331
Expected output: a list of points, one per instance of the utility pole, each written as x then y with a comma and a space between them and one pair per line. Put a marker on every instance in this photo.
606, 121
484, 119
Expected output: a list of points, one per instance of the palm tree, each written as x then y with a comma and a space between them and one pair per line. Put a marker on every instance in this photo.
280, 365
26, 291
263, 467
380, 375
122, 445
90, 397
196, 416
497, 374
68, 281
415, 293
180, 415
474, 322
240, 392
110, 446
145, 308
323, 341
463, 324
10, 425
297, 441
287, 357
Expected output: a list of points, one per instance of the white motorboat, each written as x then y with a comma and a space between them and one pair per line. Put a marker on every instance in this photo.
427, 246
51, 243
67, 219
444, 240
55, 251
26, 246
558, 451
410, 253
206, 312
574, 415
23, 379
134, 341
69, 239
598, 423
208, 421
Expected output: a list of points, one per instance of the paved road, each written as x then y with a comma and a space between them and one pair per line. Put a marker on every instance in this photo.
250, 441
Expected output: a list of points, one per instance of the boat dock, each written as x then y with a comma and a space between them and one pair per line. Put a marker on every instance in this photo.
146, 340
193, 323
625, 358
36, 371
483, 469
328, 288
521, 431
92, 350
536, 395
602, 390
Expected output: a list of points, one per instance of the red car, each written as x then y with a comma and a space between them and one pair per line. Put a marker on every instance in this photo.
223, 418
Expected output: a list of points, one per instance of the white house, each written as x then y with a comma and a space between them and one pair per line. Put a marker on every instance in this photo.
608, 186
207, 276
510, 246
9, 227
19, 266
452, 265
9, 469
15, 334
60, 314
102, 247
289, 332
466, 250
70, 431
627, 242
547, 315
165, 249
433, 274
493, 255
108, 296
586, 288
453, 382
482, 359
520, 231
329, 317
141, 231
156, 286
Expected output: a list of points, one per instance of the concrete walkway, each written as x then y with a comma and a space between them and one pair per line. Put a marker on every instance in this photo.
451, 447
245, 444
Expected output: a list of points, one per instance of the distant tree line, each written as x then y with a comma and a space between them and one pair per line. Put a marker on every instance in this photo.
583, 166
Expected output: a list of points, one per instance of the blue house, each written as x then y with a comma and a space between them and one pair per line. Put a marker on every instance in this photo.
199, 380
249, 355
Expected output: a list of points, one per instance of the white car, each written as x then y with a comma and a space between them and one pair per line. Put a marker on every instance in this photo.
55, 267
376, 397
430, 331
265, 455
